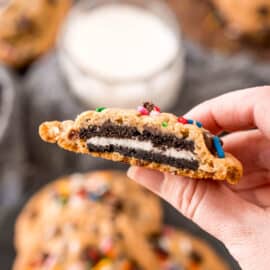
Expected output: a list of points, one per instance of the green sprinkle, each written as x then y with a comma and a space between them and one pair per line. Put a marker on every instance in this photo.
164, 124
63, 200
100, 109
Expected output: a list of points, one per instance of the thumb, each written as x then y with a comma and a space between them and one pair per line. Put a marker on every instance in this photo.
210, 204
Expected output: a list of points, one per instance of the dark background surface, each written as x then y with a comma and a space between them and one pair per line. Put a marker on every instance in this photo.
45, 97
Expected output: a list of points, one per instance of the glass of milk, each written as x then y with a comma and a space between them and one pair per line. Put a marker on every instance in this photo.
119, 53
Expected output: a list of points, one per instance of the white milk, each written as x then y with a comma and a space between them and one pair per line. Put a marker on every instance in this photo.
121, 55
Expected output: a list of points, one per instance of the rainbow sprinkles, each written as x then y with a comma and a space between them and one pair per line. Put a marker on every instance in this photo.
152, 110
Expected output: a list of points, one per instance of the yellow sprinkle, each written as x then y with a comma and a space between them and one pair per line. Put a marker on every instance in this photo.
63, 189
104, 264
57, 267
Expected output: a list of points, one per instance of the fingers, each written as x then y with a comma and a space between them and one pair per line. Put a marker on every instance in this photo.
213, 206
151, 179
239, 110
251, 147
259, 196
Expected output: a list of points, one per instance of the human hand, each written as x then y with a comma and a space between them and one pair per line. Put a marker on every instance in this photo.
238, 215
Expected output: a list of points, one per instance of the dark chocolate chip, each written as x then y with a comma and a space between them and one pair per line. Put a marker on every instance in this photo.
118, 206
44, 256
149, 106
195, 257
25, 24
263, 11
73, 134
208, 139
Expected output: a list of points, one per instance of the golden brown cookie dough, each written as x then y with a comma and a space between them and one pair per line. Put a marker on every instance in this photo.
169, 249
217, 25
85, 204
146, 138
29, 28
245, 16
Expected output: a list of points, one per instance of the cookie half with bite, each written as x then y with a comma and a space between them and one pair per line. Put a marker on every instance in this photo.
146, 137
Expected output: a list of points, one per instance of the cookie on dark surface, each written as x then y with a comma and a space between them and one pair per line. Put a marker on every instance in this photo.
228, 26
170, 249
76, 204
243, 16
102, 221
84, 201
146, 137
29, 29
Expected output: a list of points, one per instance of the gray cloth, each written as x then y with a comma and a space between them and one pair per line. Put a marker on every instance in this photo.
11, 141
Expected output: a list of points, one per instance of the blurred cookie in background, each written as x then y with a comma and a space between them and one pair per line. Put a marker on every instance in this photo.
102, 220
86, 204
227, 25
29, 28
170, 249
245, 17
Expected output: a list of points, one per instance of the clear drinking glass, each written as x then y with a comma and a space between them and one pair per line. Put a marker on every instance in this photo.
161, 87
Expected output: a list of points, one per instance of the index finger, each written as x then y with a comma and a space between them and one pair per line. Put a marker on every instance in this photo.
235, 111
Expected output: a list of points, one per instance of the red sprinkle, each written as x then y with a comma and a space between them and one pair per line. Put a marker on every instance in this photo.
142, 110
182, 120
93, 254
156, 108
82, 193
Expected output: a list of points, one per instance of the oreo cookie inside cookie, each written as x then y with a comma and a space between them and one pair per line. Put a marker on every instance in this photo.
150, 145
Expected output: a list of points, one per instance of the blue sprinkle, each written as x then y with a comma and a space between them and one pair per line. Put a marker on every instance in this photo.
199, 124
93, 196
218, 146
190, 121
173, 266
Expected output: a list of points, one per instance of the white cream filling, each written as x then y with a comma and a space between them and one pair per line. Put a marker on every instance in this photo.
142, 145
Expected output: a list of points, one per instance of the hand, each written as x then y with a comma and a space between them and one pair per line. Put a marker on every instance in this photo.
238, 215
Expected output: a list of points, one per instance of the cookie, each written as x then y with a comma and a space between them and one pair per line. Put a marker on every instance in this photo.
245, 17
169, 249
229, 26
146, 137
29, 30
79, 203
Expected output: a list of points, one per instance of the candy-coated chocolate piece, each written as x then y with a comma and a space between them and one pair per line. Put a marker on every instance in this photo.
164, 124
142, 110
100, 109
218, 147
182, 120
